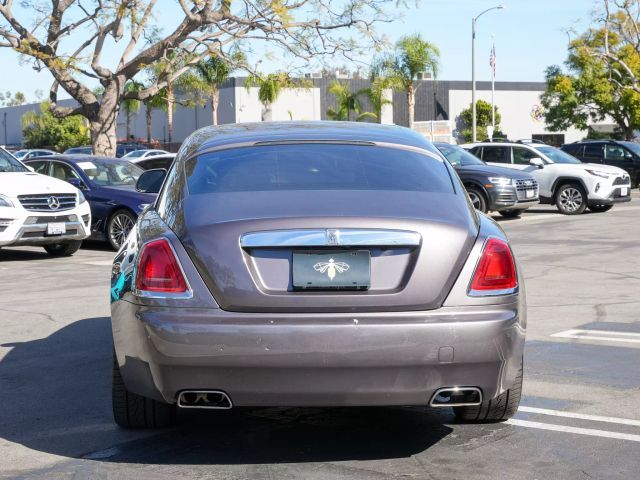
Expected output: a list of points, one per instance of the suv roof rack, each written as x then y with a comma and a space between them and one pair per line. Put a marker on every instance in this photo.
498, 139
530, 140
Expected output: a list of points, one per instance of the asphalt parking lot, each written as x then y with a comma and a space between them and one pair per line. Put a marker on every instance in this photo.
579, 418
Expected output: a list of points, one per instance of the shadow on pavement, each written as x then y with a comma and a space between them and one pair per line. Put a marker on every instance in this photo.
56, 399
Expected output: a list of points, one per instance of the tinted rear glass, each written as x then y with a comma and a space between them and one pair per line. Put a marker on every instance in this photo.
316, 167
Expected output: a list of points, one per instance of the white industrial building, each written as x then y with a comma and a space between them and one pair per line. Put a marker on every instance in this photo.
436, 100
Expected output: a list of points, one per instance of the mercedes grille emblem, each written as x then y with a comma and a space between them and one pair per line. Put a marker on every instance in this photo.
53, 203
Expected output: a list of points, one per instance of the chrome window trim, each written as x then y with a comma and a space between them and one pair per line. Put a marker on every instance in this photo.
346, 237
158, 295
493, 293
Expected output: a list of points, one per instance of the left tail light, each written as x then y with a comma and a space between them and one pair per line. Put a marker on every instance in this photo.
158, 270
496, 271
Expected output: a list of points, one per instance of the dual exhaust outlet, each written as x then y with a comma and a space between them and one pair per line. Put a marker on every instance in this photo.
219, 400
211, 399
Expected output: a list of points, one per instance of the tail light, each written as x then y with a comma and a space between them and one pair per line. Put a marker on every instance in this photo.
158, 270
496, 271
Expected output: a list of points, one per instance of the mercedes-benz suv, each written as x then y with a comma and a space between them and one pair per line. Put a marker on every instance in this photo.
563, 180
40, 210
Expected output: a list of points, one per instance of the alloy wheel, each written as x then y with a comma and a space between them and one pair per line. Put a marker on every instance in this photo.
571, 199
120, 226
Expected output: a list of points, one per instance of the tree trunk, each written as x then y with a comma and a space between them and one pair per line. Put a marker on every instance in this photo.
171, 101
103, 122
128, 125
215, 100
149, 114
411, 103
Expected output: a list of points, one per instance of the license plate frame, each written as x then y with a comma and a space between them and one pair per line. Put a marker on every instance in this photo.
56, 228
331, 270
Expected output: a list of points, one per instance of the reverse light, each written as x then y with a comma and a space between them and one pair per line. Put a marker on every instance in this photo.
500, 180
158, 270
598, 173
496, 271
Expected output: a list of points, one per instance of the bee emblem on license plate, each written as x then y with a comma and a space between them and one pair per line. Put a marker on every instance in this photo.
331, 267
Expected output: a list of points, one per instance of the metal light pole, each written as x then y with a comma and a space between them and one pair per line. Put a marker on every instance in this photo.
473, 69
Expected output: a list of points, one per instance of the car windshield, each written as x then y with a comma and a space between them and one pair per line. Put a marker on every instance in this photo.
556, 155
458, 156
20, 153
634, 147
110, 172
135, 154
9, 164
316, 167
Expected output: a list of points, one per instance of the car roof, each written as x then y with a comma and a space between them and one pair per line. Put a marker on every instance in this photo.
74, 158
214, 136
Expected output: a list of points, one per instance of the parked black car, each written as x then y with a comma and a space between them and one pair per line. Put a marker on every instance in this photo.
618, 153
108, 184
492, 188
121, 149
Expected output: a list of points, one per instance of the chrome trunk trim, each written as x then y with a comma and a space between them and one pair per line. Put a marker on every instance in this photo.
344, 237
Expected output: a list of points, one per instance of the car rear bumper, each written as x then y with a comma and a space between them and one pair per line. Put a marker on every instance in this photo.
317, 359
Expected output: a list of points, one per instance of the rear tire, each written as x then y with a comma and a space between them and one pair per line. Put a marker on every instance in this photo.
64, 249
600, 208
498, 409
119, 225
478, 199
511, 213
131, 410
571, 199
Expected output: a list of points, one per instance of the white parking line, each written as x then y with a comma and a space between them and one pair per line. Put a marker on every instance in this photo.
575, 430
580, 416
599, 335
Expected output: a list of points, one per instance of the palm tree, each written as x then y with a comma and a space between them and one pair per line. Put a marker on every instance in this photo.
269, 89
152, 103
401, 67
347, 102
131, 106
165, 70
376, 95
210, 74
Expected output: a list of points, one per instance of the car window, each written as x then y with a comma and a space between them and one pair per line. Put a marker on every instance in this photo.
62, 171
458, 156
110, 172
9, 164
522, 155
155, 163
39, 166
593, 151
575, 150
614, 152
316, 167
496, 154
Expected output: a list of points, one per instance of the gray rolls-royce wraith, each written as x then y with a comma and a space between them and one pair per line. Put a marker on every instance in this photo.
313, 264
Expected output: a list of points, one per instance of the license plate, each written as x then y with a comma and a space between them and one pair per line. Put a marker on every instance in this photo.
530, 193
330, 270
624, 191
56, 228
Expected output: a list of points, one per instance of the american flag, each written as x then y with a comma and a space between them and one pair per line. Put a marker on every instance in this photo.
492, 60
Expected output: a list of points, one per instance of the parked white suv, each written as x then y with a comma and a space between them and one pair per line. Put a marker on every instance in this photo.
40, 210
563, 180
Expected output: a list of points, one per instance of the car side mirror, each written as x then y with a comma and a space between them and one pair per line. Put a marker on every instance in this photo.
151, 180
76, 182
536, 162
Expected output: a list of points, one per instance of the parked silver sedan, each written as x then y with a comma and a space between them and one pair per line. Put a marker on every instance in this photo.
314, 264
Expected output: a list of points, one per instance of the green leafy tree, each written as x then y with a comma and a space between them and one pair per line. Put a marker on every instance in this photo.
269, 89
8, 99
483, 120
70, 40
210, 74
601, 76
348, 102
412, 55
131, 106
376, 94
44, 130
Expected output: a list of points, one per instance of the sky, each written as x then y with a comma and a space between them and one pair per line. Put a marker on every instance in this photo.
529, 36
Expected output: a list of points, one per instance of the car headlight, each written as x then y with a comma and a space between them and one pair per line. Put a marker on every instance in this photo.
500, 180
598, 173
5, 202
81, 198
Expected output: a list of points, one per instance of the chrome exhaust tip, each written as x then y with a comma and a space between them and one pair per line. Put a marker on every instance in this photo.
456, 397
212, 399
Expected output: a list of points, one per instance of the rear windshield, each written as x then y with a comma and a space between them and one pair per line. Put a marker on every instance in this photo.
316, 167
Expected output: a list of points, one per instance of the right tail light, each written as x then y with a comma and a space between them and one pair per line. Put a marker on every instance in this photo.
495, 273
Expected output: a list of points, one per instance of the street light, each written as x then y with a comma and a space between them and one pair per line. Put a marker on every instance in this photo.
473, 68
